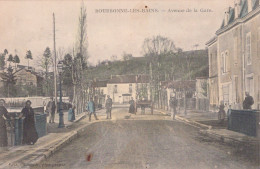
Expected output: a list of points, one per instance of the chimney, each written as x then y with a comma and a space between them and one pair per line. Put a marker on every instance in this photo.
237, 8
249, 5
227, 16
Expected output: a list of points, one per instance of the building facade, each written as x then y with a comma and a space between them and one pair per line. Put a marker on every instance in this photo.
234, 56
122, 87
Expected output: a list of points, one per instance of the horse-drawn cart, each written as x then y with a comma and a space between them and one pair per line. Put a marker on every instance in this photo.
144, 104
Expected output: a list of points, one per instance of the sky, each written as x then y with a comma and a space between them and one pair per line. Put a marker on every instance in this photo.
28, 25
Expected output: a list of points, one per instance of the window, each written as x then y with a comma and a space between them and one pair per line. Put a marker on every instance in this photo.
115, 88
130, 88
248, 49
236, 89
258, 88
258, 44
235, 50
250, 85
225, 93
225, 62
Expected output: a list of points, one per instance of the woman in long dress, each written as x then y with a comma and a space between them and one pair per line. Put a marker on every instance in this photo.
3, 117
71, 113
30, 135
132, 106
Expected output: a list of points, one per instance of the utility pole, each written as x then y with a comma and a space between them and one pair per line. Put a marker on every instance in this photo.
55, 64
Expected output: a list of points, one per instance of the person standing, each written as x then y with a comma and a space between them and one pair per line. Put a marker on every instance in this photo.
221, 112
71, 113
132, 106
173, 106
108, 104
91, 109
3, 117
30, 135
248, 102
51, 107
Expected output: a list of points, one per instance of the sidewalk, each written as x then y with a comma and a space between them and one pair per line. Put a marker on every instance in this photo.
209, 126
28, 155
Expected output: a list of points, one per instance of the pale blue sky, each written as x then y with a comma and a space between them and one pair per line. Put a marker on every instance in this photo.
28, 25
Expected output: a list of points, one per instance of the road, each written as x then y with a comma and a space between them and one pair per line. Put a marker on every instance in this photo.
145, 141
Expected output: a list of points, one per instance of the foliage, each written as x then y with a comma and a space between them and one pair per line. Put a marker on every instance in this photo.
28, 55
10, 58
127, 56
9, 80
16, 59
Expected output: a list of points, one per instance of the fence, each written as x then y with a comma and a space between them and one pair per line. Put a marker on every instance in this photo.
202, 104
36, 101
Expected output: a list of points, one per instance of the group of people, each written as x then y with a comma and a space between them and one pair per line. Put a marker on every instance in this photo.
91, 108
30, 135
51, 109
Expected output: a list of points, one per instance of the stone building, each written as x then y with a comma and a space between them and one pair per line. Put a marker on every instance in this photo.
234, 56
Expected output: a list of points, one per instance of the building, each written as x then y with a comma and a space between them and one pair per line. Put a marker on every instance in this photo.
179, 89
234, 56
122, 87
99, 91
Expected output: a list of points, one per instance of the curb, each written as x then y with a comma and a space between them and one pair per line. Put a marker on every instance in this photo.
81, 118
200, 125
246, 140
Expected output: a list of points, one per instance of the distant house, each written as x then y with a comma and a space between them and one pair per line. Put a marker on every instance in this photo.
27, 77
122, 87
99, 91
178, 89
234, 56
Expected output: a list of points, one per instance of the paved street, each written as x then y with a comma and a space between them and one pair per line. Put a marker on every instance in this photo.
146, 141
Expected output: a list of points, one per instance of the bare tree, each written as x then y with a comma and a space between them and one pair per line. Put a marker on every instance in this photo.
80, 61
155, 48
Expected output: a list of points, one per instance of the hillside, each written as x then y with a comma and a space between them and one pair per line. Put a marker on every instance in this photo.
186, 65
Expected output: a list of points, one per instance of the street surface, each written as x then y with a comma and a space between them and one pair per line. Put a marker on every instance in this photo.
146, 141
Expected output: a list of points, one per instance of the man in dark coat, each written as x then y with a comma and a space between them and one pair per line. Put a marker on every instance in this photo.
91, 108
248, 102
108, 105
30, 135
51, 107
3, 117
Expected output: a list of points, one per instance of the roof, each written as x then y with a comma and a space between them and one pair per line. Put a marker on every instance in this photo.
129, 79
31, 71
243, 14
184, 84
99, 83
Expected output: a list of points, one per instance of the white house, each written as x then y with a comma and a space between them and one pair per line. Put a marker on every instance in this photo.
122, 87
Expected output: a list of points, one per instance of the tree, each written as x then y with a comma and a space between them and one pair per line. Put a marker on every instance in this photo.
196, 46
5, 51
28, 56
9, 80
80, 62
2, 59
45, 64
10, 59
156, 48
113, 57
127, 56
16, 60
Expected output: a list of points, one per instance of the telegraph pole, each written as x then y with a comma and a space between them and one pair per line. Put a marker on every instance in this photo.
55, 64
